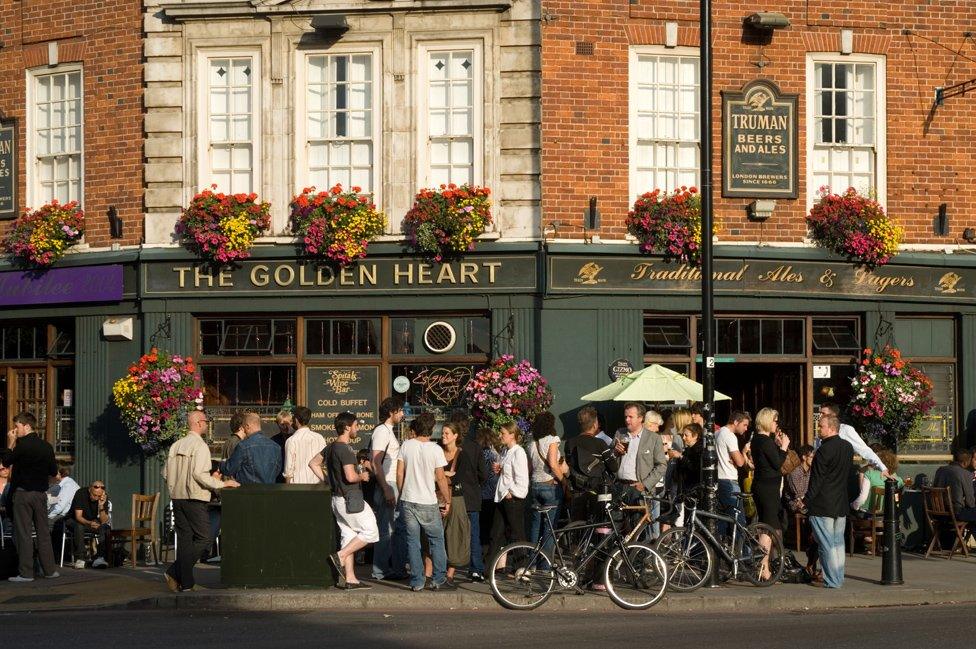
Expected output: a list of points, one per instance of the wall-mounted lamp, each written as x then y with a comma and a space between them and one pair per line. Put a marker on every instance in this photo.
760, 209
114, 223
325, 23
592, 216
757, 29
766, 20
942, 221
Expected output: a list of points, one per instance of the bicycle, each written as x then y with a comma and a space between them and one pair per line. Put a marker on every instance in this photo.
522, 576
690, 551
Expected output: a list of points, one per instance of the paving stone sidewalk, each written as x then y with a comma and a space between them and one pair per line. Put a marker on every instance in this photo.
927, 581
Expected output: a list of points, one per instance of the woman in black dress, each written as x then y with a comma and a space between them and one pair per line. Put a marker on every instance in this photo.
769, 447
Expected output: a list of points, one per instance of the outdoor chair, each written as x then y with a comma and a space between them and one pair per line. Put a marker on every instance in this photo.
143, 526
871, 526
799, 523
67, 537
942, 520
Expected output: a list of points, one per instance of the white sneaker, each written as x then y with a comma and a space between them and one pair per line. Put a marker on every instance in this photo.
99, 563
53, 575
79, 564
21, 580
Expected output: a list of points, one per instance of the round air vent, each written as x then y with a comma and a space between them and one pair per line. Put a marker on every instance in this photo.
439, 337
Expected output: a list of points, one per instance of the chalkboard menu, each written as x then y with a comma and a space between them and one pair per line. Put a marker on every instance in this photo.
332, 390
8, 169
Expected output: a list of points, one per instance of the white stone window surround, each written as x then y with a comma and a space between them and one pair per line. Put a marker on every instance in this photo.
74, 157
671, 145
424, 50
374, 49
203, 158
879, 148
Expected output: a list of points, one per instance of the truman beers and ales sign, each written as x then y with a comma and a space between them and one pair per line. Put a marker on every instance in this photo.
8, 169
473, 274
759, 142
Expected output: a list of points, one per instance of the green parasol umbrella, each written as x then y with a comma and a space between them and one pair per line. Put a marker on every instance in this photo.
653, 383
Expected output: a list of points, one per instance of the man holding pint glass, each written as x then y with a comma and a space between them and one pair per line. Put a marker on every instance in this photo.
642, 459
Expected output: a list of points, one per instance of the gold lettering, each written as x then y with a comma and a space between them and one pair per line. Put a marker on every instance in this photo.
259, 275
367, 274
423, 274
741, 273
492, 267
284, 275
397, 273
446, 274
321, 279
182, 270
346, 278
302, 280
882, 283
640, 270
827, 279
197, 276
224, 278
782, 274
469, 271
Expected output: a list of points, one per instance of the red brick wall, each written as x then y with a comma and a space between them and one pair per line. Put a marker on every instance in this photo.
931, 155
106, 37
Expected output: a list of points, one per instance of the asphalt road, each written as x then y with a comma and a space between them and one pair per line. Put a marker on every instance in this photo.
891, 628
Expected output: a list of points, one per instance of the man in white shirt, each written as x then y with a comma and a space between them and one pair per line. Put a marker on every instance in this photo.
419, 468
300, 448
730, 460
848, 434
60, 496
390, 552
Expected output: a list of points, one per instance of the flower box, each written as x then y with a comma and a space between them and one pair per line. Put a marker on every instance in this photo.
41, 237
222, 228
335, 225
855, 227
444, 223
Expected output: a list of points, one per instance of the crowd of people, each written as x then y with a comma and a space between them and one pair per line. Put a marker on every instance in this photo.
426, 510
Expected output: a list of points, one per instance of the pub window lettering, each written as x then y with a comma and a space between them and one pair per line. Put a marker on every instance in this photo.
846, 110
56, 135
664, 146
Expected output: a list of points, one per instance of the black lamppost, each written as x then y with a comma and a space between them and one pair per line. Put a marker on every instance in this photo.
709, 470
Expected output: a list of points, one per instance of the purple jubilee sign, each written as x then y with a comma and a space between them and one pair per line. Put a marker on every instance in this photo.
62, 286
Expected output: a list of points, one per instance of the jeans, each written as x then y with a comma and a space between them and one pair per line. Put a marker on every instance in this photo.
829, 533
30, 515
390, 552
427, 519
727, 490
544, 495
78, 531
192, 524
477, 560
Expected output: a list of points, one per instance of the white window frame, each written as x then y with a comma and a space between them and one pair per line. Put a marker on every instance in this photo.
636, 187
204, 164
35, 196
301, 179
880, 188
424, 50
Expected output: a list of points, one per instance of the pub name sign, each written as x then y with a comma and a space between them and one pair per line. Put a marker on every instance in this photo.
759, 142
8, 169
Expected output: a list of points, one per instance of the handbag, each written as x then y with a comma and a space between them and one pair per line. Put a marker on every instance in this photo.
790, 463
355, 501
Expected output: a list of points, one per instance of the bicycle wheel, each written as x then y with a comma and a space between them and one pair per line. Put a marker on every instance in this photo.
753, 555
637, 580
688, 559
521, 576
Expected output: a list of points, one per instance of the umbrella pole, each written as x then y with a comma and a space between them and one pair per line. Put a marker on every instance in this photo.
709, 469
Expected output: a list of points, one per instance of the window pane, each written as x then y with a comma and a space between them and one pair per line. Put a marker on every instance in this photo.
247, 337
793, 337
666, 336
478, 336
342, 337
749, 336
728, 337
257, 385
402, 335
836, 336
772, 336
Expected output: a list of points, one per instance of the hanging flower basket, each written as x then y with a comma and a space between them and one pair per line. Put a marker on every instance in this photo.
890, 397
855, 227
336, 225
508, 390
41, 237
155, 397
444, 223
221, 228
668, 224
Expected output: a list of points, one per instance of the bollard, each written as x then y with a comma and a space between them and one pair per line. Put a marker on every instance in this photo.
891, 549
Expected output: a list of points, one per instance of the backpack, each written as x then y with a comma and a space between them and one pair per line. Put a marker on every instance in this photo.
793, 571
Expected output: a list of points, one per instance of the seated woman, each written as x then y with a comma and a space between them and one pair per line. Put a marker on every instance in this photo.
871, 477
798, 481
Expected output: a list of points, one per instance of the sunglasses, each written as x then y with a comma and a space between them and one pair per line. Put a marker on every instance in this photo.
98, 486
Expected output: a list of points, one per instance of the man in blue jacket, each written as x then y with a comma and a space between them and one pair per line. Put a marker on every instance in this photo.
256, 459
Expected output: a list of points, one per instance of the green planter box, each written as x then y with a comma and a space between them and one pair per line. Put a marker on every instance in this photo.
277, 535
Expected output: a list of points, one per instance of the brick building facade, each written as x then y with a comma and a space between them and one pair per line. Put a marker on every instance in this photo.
590, 88
93, 50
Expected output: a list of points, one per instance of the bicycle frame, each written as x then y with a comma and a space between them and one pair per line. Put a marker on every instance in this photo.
710, 538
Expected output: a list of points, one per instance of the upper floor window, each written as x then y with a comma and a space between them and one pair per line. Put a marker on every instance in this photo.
451, 116
847, 122
57, 136
664, 123
229, 128
340, 139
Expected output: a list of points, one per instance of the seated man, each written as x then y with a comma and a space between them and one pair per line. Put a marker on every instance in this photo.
958, 476
256, 459
61, 495
91, 514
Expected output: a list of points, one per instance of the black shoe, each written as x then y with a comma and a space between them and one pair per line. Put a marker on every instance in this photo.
446, 585
477, 578
340, 571
357, 586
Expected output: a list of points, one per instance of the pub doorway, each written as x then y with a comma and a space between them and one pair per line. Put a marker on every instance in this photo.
754, 386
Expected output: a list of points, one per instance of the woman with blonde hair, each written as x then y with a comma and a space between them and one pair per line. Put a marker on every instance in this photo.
512, 469
769, 446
